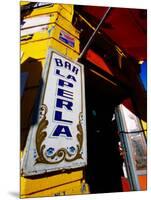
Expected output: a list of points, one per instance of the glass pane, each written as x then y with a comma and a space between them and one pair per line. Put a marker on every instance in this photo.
139, 150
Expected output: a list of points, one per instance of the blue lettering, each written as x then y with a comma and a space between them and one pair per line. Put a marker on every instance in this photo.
60, 103
58, 73
65, 93
64, 130
58, 117
59, 62
67, 65
65, 83
75, 70
71, 77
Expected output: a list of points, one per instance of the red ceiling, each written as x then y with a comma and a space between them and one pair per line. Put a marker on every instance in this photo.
126, 27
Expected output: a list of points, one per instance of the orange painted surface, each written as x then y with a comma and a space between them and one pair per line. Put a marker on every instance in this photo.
143, 182
97, 60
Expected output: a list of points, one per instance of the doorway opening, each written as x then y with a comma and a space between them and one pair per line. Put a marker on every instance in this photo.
104, 169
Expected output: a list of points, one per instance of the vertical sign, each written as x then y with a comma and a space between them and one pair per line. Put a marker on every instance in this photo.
58, 140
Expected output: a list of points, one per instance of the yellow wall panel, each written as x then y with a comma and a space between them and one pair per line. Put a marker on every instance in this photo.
144, 125
72, 188
64, 11
23, 3
38, 49
34, 51
68, 7
72, 54
63, 49
24, 56
44, 10
38, 45
66, 14
67, 26
37, 184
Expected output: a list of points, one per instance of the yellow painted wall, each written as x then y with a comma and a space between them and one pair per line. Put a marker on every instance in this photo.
144, 125
64, 10
33, 55
23, 3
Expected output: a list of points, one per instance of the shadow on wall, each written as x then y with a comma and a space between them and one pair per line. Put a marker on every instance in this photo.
30, 96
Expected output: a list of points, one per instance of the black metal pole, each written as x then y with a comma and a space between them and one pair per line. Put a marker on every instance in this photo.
93, 35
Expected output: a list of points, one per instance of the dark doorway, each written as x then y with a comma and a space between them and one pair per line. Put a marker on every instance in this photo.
104, 169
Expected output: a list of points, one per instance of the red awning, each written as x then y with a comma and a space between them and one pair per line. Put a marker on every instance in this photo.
98, 61
126, 27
